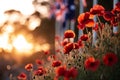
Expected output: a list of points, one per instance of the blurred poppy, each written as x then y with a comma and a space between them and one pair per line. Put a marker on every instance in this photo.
114, 21
40, 71
80, 43
64, 42
85, 20
71, 73
68, 47
46, 52
107, 15
38, 61
84, 37
81, 27
69, 34
22, 76
60, 71
56, 63
91, 64
29, 67
110, 59
97, 10
117, 7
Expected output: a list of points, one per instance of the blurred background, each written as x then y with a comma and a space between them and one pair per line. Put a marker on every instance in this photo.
28, 29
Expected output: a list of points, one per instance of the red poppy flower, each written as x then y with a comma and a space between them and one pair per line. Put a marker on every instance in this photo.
22, 76
69, 34
117, 7
64, 42
56, 63
80, 43
91, 64
38, 61
108, 15
97, 9
28, 67
84, 37
81, 27
40, 71
95, 27
110, 59
60, 71
68, 47
85, 19
71, 73
114, 21
46, 52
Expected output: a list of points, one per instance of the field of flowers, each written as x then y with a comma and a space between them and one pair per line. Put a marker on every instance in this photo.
83, 59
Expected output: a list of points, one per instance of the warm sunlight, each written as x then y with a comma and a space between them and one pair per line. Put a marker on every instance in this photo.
21, 44
16, 18
24, 6
4, 42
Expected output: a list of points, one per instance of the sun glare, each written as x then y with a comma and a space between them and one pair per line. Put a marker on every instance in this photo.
24, 6
15, 15
21, 44
4, 42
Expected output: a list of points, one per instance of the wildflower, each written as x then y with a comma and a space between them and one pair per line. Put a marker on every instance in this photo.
69, 34
110, 59
68, 47
114, 21
46, 52
85, 19
64, 42
38, 61
108, 15
80, 27
40, 71
117, 7
22, 76
97, 10
60, 71
91, 64
84, 37
29, 67
71, 73
56, 63
80, 43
